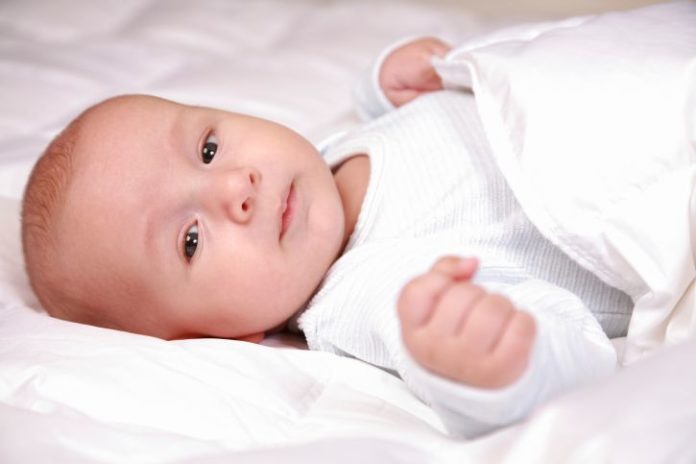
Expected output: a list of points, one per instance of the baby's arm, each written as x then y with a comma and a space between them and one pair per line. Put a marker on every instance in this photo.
401, 73
482, 371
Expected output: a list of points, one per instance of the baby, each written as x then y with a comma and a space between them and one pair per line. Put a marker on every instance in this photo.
176, 221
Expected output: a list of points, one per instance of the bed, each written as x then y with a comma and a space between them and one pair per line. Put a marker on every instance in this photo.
71, 393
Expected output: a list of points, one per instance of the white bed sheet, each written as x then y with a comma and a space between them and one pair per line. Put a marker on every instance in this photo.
71, 393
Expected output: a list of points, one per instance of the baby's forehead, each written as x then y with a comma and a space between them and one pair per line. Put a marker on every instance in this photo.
122, 110
127, 134
124, 123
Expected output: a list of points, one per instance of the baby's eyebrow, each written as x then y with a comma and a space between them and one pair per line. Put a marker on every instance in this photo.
160, 235
179, 130
149, 235
178, 133
152, 232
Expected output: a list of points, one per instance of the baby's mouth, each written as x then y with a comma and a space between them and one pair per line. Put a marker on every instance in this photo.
288, 212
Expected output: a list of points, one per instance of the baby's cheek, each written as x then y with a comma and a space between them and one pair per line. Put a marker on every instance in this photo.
325, 220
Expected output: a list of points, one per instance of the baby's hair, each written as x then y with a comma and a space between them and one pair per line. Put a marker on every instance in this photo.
65, 287
44, 198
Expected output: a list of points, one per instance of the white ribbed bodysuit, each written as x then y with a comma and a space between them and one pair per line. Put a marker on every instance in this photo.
434, 189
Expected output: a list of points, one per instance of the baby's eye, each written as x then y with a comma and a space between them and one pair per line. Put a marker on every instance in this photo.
210, 147
191, 241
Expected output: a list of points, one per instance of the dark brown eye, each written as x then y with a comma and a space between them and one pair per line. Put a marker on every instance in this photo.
210, 147
191, 241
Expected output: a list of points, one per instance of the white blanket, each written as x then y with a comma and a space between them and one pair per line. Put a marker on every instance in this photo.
71, 393
593, 122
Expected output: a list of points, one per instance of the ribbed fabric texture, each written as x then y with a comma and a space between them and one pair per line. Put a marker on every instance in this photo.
439, 175
434, 189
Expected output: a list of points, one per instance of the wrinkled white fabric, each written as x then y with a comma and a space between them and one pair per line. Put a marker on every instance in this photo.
72, 393
592, 123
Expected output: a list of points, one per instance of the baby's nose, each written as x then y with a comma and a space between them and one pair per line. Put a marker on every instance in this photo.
233, 193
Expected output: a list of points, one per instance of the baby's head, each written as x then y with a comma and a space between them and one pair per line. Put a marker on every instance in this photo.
176, 221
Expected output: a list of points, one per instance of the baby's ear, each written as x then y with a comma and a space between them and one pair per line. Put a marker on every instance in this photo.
253, 338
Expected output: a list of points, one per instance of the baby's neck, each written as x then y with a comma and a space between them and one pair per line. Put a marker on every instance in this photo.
351, 178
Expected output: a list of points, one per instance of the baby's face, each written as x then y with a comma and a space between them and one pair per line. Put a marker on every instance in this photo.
208, 223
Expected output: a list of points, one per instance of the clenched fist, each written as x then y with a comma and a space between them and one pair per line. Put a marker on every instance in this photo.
458, 330
407, 71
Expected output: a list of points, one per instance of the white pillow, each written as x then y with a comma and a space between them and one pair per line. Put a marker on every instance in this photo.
14, 285
592, 121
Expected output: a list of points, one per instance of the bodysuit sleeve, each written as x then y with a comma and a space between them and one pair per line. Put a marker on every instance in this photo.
570, 349
355, 315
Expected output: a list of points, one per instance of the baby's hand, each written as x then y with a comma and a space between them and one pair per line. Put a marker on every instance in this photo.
407, 72
456, 329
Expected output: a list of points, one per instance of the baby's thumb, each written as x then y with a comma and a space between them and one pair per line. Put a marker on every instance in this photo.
467, 268
456, 267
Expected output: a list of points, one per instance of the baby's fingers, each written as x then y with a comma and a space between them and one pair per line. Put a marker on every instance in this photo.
487, 323
439, 47
454, 308
418, 298
511, 355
